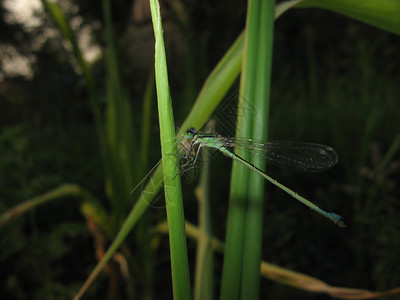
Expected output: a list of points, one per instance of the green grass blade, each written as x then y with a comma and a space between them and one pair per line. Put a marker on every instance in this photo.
204, 274
390, 154
64, 190
172, 183
58, 17
261, 65
136, 213
380, 13
121, 139
146, 121
243, 252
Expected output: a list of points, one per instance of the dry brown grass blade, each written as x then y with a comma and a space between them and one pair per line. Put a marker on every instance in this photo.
292, 278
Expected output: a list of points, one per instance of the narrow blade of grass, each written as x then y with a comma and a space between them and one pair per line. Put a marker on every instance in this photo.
59, 18
64, 190
204, 275
172, 183
243, 252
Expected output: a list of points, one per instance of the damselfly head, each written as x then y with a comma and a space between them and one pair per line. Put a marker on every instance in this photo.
187, 147
191, 132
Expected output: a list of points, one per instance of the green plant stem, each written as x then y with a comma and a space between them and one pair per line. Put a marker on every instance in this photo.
383, 13
260, 61
204, 275
172, 182
243, 252
146, 121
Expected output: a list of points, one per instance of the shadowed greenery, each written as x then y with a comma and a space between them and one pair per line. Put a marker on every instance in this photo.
334, 81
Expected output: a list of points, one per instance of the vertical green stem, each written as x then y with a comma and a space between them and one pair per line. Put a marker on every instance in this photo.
242, 259
204, 276
147, 111
172, 183
260, 60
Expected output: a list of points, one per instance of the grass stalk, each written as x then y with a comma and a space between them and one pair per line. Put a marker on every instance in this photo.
59, 18
260, 61
146, 121
204, 274
119, 129
243, 252
172, 182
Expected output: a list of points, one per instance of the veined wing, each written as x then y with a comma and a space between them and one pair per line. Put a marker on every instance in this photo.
307, 157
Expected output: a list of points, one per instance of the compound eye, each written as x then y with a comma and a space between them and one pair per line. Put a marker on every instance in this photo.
191, 130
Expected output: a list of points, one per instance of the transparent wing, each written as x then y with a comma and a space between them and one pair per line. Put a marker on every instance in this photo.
293, 155
150, 188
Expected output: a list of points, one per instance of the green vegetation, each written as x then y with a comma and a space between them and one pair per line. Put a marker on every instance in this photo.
78, 137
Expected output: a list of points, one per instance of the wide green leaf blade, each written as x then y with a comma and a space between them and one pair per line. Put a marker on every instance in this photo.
384, 14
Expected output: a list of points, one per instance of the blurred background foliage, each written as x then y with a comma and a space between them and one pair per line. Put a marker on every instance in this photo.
335, 82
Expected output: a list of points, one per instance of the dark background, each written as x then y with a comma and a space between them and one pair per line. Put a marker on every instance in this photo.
335, 82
